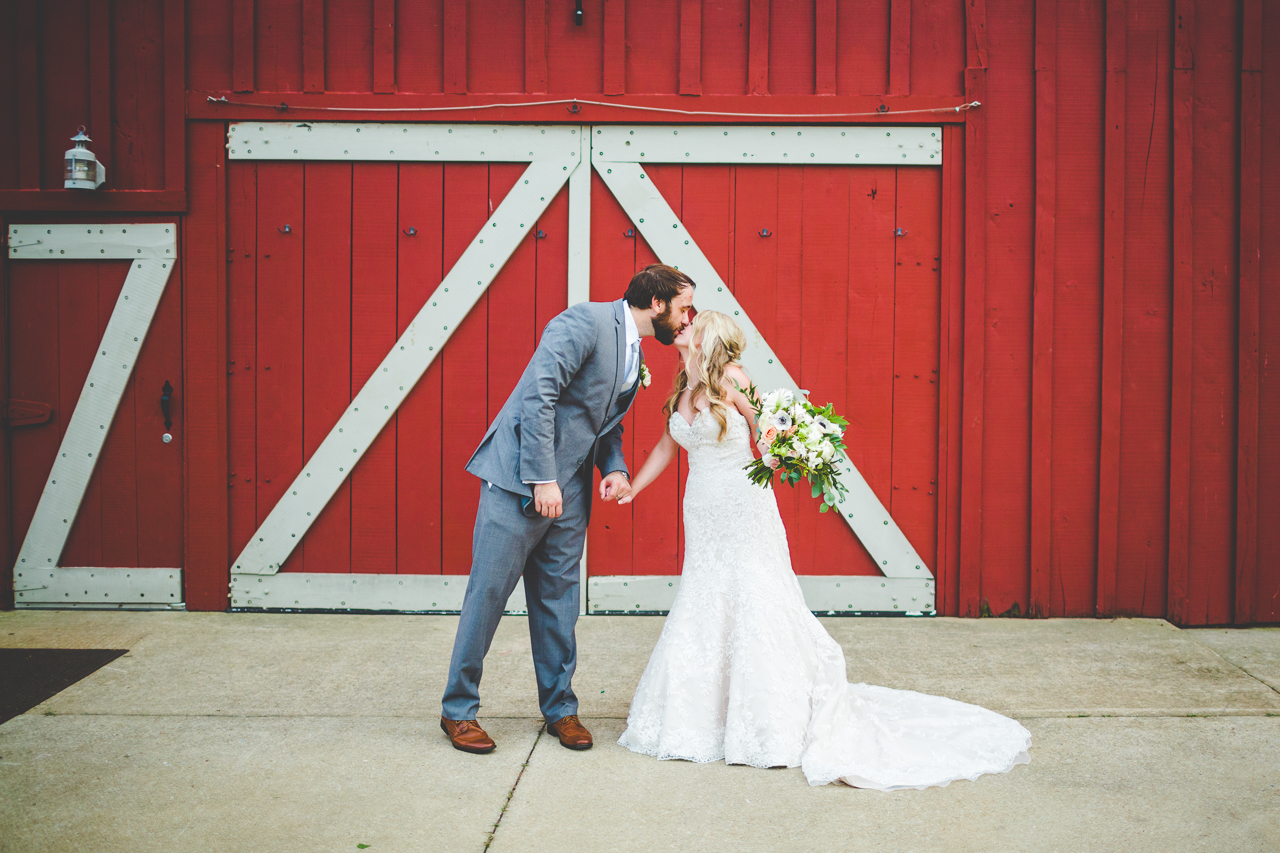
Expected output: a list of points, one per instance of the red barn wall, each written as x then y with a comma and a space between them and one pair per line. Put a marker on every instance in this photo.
1109, 442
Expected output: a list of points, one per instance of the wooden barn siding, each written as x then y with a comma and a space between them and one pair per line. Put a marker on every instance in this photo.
1113, 311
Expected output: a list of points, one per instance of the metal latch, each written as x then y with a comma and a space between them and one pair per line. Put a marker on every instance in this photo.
16, 413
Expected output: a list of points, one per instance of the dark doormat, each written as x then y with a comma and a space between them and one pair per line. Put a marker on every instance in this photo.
30, 676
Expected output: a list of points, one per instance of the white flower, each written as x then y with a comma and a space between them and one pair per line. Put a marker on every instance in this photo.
828, 451
645, 376
824, 425
780, 420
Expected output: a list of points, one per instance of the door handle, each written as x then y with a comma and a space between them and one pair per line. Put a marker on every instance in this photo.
165, 393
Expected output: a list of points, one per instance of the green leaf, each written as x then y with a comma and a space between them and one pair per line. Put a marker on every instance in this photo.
816, 489
362, 846
823, 508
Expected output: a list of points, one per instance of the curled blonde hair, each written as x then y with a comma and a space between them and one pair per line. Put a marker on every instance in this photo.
717, 343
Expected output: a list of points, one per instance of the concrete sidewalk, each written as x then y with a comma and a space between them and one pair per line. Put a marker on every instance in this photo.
239, 732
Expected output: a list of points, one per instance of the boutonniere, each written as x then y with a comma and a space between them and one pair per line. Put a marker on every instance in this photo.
645, 378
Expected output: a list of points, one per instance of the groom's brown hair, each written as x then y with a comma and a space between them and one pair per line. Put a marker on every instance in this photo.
656, 281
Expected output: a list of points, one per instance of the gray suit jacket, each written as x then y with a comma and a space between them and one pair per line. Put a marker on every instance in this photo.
566, 411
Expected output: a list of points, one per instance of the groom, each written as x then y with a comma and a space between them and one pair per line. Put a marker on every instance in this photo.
564, 416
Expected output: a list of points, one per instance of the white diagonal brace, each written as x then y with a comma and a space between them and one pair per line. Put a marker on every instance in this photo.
153, 247
400, 370
673, 244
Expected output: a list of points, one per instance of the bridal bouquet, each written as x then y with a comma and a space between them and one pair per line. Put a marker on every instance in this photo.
797, 439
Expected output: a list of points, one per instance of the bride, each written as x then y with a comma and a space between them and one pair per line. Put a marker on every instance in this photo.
743, 671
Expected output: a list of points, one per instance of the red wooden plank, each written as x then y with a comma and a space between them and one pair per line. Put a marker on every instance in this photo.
116, 474
691, 46
868, 393
862, 51
916, 321
243, 49
328, 318
724, 50
512, 301
969, 572
348, 46
824, 51
455, 46
976, 38
900, 47
1266, 602
495, 50
1214, 322
463, 368
950, 370
535, 46
384, 45
820, 543
138, 81
9, 98
100, 83
209, 46
242, 352
33, 375
373, 333
1046, 132
159, 465
939, 29
313, 46
758, 48
419, 52
418, 430
1180, 346
279, 368
78, 333
788, 316
653, 46
553, 262
656, 514
613, 262
277, 45
1112, 306
791, 51
205, 384
1184, 13
175, 124
63, 84
1250, 278
1076, 341
103, 201
7, 549
756, 209
615, 47
1145, 366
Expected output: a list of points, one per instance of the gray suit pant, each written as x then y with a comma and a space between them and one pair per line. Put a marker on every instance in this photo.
547, 552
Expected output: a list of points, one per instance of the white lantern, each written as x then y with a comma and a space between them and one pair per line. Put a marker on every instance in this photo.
82, 171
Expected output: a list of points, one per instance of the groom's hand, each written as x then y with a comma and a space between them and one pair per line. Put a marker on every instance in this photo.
615, 486
547, 499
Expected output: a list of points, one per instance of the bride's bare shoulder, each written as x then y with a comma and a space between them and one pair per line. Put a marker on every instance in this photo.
735, 375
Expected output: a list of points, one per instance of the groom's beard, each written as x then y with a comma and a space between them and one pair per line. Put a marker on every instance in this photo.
665, 328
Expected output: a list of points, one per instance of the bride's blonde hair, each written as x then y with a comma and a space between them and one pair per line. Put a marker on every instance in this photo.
717, 343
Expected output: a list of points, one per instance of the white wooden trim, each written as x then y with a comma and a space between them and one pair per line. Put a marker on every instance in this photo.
161, 588
608, 594
854, 146
291, 140
321, 591
674, 245
153, 251
822, 594
400, 370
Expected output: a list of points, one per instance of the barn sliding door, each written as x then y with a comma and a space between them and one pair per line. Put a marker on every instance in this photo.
389, 282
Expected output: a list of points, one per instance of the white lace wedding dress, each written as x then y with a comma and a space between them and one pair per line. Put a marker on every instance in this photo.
744, 672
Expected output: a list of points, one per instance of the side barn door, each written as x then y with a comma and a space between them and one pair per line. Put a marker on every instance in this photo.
93, 416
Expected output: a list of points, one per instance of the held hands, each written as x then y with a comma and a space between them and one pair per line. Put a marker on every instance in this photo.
617, 487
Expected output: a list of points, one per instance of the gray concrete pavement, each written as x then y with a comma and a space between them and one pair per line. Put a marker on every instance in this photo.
261, 732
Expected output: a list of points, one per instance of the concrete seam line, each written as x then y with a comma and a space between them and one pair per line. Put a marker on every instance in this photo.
493, 832
1229, 662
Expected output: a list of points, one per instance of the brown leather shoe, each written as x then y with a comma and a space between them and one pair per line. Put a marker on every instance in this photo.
467, 736
571, 732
